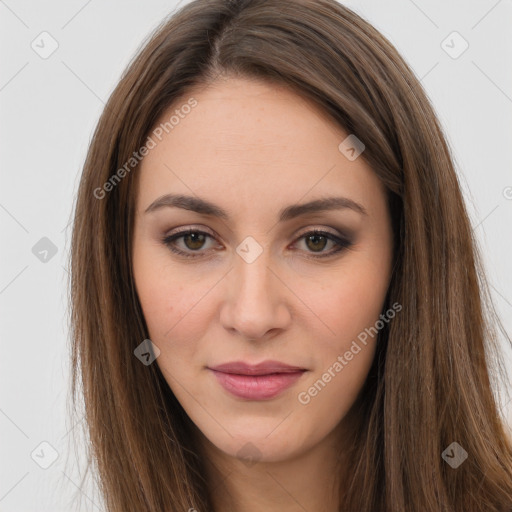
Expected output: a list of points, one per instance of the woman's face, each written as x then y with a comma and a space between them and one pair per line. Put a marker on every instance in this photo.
252, 282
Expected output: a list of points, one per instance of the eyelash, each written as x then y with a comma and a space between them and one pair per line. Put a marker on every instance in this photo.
340, 243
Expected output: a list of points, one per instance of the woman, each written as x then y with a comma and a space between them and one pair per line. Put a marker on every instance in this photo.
277, 303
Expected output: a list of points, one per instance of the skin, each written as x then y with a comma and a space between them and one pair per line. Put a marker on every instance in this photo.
253, 149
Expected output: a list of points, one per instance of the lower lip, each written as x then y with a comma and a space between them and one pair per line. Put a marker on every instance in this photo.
257, 387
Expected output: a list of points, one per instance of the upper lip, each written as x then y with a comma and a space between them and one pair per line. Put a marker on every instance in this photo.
263, 368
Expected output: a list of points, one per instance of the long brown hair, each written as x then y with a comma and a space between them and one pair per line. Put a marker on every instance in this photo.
435, 373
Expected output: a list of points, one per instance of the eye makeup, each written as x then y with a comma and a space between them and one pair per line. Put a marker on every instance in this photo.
197, 236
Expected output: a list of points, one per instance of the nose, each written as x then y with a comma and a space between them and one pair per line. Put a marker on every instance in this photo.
255, 301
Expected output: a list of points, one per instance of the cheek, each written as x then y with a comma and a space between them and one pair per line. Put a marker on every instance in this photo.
171, 312
176, 309
351, 310
174, 325
330, 393
350, 303
161, 296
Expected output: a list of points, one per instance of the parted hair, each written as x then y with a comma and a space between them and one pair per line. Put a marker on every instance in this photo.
436, 370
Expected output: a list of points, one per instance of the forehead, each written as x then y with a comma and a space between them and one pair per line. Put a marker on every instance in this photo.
250, 143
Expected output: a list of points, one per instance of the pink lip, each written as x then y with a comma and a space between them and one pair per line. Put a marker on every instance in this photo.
256, 382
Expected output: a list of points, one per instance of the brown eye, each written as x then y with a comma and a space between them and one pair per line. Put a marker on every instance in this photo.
194, 240
316, 242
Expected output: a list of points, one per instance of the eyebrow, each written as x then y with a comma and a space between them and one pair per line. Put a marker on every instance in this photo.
198, 205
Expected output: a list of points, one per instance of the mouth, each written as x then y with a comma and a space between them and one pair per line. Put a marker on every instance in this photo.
262, 381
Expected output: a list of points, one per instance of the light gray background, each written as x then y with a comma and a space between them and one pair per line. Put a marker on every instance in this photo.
49, 108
